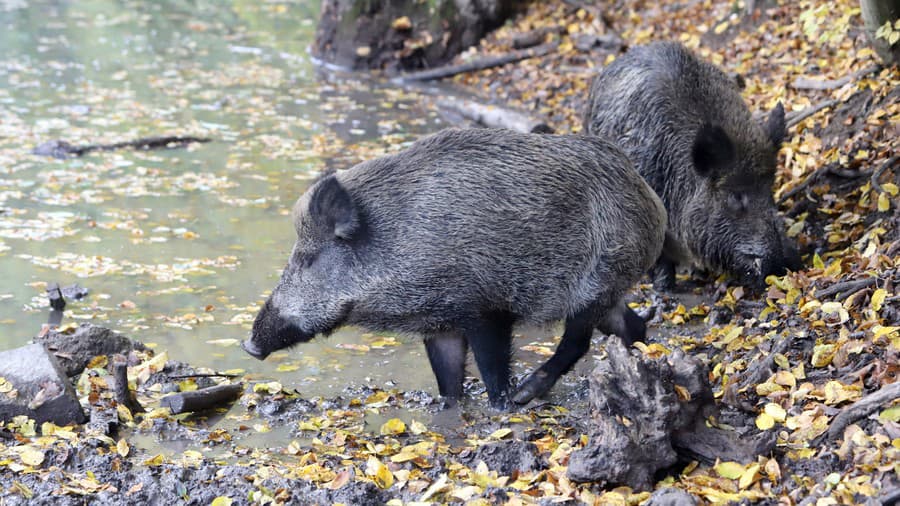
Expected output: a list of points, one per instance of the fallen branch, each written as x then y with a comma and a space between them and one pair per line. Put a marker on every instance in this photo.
796, 117
534, 37
124, 395
858, 410
204, 375
845, 286
804, 83
880, 170
494, 116
203, 399
62, 149
478, 64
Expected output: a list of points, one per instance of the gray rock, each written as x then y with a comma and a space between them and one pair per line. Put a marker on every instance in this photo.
43, 391
671, 497
75, 350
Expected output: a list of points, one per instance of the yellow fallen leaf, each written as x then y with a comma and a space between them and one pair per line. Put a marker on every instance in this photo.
775, 411
30, 455
764, 421
122, 447
221, 501
393, 427
402, 24
417, 427
339, 481
730, 470
878, 299
891, 188
721, 27
890, 414
749, 476
156, 460
379, 472
500, 433
884, 203
224, 342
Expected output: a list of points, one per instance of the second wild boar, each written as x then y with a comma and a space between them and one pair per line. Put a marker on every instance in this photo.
683, 123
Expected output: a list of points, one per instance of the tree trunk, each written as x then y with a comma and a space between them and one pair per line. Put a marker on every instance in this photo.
875, 13
402, 35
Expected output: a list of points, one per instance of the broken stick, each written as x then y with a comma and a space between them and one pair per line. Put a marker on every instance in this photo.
858, 410
845, 286
124, 395
796, 117
805, 83
477, 64
203, 399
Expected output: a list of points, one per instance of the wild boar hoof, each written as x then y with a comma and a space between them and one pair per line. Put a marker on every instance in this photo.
535, 386
501, 403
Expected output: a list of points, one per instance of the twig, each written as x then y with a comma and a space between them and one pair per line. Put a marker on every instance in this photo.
203, 399
814, 177
204, 375
846, 286
477, 64
797, 117
880, 170
534, 37
810, 179
124, 395
859, 409
494, 116
804, 83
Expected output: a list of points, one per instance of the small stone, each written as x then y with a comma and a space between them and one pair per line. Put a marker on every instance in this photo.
42, 390
75, 350
363, 51
671, 497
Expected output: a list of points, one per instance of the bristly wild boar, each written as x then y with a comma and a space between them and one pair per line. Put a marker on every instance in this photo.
683, 123
460, 237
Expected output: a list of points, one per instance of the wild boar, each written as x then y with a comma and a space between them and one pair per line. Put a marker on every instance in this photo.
683, 123
462, 236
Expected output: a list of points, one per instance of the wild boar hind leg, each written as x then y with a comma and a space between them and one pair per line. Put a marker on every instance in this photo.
576, 341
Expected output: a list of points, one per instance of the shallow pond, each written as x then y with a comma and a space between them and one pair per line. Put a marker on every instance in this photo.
179, 247
176, 247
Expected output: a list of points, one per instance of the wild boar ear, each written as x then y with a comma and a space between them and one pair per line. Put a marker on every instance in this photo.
712, 151
332, 206
775, 125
